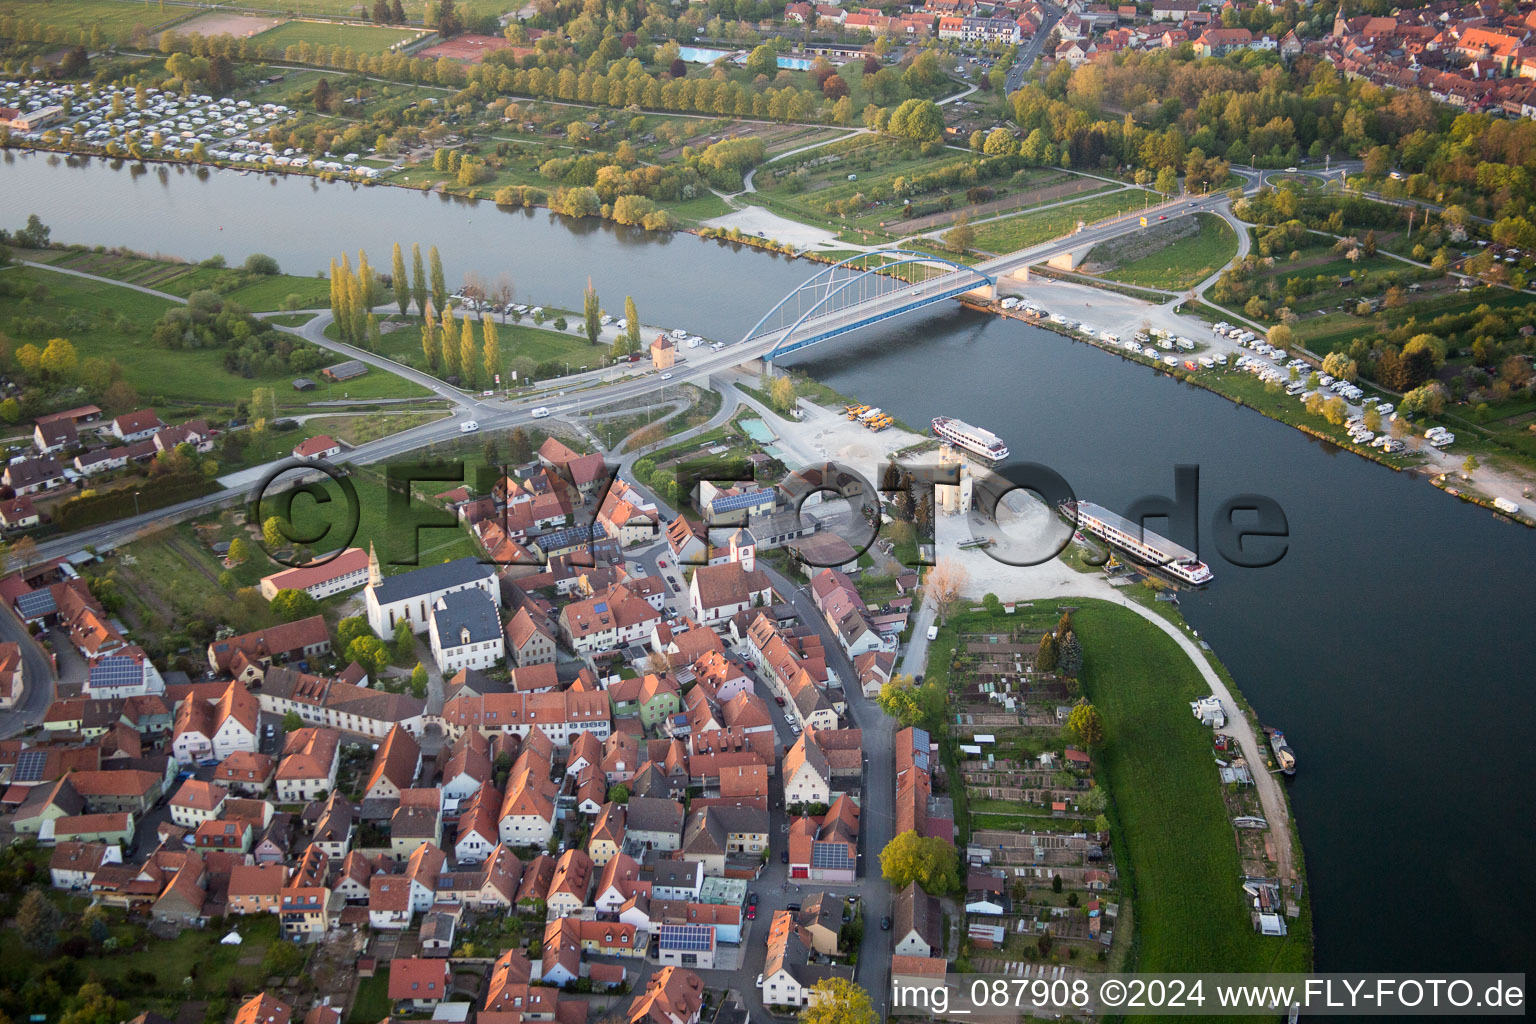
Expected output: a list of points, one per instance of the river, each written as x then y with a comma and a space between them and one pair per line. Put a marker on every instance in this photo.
1387, 642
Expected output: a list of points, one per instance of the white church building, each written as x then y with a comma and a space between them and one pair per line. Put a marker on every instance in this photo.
411, 595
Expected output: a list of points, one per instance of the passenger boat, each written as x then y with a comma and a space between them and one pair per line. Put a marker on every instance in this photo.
1141, 545
973, 439
1285, 757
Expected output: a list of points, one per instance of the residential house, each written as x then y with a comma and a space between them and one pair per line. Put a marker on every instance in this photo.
308, 764
915, 927
418, 984
465, 631
528, 641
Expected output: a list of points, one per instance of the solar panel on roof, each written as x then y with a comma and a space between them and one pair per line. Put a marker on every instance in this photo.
29, 766
830, 855
36, 604
116, 671
601, 606
731, 502
696, 938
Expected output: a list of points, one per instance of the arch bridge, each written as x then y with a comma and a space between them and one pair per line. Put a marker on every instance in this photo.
862, 290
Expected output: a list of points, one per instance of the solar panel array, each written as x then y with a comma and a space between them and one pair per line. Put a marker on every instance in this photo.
689, 938
116, 671
920, 743
830, 856
30, 765
36, 604
746, 499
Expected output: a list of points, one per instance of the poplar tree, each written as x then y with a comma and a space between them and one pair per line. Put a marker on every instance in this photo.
429, 346
399, 280
372, 335
468, 349
632, 325
492, 350
439, 286
418, 280
449, 336
592, 312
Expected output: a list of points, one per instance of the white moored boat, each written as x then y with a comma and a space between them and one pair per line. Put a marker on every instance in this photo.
1141, 545
973, 439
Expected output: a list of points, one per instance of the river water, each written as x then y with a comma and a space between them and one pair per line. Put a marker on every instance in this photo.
1390, 642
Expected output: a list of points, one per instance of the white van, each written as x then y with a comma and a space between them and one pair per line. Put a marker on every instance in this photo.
540, 412
933, 632
469, 427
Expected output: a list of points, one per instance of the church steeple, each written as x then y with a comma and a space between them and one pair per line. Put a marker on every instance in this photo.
375, 577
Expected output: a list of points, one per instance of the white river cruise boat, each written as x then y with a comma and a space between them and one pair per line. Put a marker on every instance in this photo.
973, 439
1141, 545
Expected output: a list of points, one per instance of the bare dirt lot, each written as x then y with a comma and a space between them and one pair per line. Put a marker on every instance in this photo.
237, 25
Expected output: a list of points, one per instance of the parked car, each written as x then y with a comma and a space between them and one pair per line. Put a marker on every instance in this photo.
885, 923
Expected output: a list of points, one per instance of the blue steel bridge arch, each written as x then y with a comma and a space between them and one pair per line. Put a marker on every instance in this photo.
970, 278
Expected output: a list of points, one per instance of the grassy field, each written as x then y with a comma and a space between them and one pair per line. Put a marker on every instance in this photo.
352, 8
191, 967
1173, 844
362, 38
258, 294
356, 430
112, 322
116, 18
519, 344
1186, 262
1190, 911
1026, 229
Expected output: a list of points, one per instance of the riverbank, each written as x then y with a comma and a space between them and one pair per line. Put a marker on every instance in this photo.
1440, 468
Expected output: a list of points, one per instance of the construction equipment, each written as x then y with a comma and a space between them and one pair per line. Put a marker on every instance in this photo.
855, 411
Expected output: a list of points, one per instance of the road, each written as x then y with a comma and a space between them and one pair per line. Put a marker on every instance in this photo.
37, 678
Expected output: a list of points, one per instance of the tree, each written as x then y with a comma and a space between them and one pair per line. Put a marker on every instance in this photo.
1372, 419
521, 446
962, 236
1282, 337
439, 284
946, 581
418, 279
59, 359
918, 120
631, 325
1338, 364
291, 605
490, 353
929, 861
619, 794
350, 629
1085, 723
239, 550
762, 61
272, 532
838, 1001
38, 922
1045, 655
1167, 181
322, 95
1471, 465
1069, 655
467, 351
782, 394
405, 641
592, 313
834, 88
1000, 142
369, 652
911, 703
292, 721
419, 681
401, 283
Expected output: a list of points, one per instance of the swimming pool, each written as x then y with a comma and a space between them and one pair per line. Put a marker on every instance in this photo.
706, 55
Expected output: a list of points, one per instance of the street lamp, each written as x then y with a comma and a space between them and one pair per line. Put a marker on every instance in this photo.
135, 503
